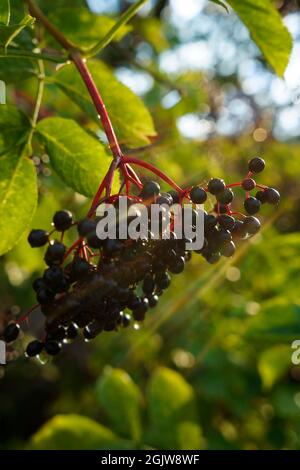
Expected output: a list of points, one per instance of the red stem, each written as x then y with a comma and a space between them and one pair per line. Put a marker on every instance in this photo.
154, 170
98, 102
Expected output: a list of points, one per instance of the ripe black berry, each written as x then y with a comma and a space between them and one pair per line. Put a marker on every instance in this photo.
251, 225
177, 266
228, 249
38, 284
261, 196
72, 331
198, 195
226, 196
44, 296
226, 221
52, 347
38, 238
55, 253
34, 348
272, 196
53, 276
150, 189
216, 186
175, 196
80, 268
256, 165
248, 184
57, 334
126, 319
252, 205
11, 332
153, 300
86, 226
162, 280
62, 220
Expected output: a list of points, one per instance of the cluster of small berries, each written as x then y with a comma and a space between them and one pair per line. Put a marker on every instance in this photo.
110, 283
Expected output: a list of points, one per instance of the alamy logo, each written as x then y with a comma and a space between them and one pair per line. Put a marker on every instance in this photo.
134, 222
2, 353
296, 354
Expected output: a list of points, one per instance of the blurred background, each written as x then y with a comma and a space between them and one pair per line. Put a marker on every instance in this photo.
211, 366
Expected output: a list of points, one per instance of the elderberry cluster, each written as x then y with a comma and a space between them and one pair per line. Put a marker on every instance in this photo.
110, 283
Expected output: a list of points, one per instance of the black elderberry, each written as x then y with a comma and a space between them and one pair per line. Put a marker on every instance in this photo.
150, 190
62, 220
55, 253
86, 226
239, 230
248, 184
38, 284
256, 165
164, 198
34, 348
52, 347
38, 238
216, 186
72, 331
79, 269
152, 300
228, 249
213, 258
126, 320
198, 195
177, 265
45, 296
251, 225
112, 247
210, 221
162, 280
148, 284
57, 334
139, 313
261, 196
175, 196
11, 332
226, 221
225, 197
272, 196
252, 205
93, 240
53, 276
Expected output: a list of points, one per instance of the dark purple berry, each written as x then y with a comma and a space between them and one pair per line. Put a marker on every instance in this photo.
261, 196
272, 196
256, 165
86, 226
52, 347
216, 186
251, 225
62, 220
198, 195
53, 276
55, 253
38, 238
11, 332
225, 197
34, 348
248, 184
252, 205
226, 221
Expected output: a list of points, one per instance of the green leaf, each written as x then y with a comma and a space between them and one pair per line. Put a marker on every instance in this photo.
114, 31
221, 4
278, 320
171, 403
73, 432
8, 33
14, 70
18, 196
5, 12
267, 31
83, 27
14, 125
273, 364
130, 117
78, 158
121, 399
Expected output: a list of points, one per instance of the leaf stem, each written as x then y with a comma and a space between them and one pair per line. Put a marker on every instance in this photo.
38, 102
20, 54
124, 18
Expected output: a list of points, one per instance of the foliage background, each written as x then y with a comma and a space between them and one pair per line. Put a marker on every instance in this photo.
211, 367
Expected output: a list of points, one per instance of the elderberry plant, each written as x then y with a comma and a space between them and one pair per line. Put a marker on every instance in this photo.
98, 285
